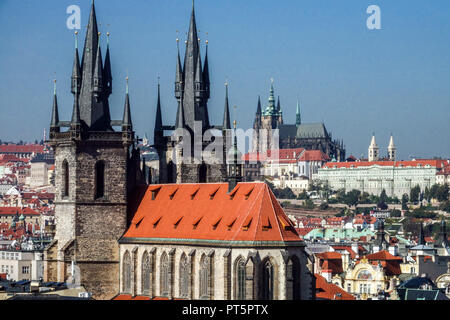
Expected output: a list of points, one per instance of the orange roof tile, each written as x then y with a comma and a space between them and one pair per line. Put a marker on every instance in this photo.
330, 291
249, 213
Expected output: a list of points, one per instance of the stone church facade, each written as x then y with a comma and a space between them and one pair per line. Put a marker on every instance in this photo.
207, 236
202, 241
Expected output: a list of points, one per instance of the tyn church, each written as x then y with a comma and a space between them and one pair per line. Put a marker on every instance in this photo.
183, 239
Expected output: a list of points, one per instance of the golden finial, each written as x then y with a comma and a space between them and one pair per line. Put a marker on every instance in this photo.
271, 80
107, 34
76, 32
234, 123
185, 41
206, 41
99, 34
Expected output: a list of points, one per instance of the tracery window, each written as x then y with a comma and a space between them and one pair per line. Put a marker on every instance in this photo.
164, 278
184, 277
146, 274
127, 272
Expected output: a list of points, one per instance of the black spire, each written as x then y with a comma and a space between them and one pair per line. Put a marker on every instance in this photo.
278, 105
381, 237
126, 122
158, 120
107, 73
98, 75
257, 122
234, 160
94, 107
226, 113
180, 123
194, 107
75, 125
178, 75
76, 70
206, 74
421, 236
54, 127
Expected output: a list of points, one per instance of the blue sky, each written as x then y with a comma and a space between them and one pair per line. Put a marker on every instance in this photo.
357, 81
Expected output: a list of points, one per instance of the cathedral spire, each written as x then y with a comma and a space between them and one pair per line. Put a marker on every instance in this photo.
94, 107
98, 74
54, 127
158, 120
226, 113
206, 74
180, 123
75, 123
298, 117
178, 75
126, 122
76, 70
107, 73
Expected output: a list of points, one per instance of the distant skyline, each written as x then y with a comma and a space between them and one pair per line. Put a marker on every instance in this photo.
355, 80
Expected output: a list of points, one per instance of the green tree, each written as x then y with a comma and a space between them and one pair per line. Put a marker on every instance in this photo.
434, 191
427, 194
303, 195
414, 194
351, 198
396, 213
442, 193
405, 200
308, 204
445, 206
324, 206
382, 201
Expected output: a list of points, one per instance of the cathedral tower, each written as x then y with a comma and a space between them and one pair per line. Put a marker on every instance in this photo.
95, 171
192, 91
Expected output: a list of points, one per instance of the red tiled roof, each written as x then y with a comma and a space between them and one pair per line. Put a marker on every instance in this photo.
382, 255
27, 148
280, 155
314, 155
329, 255
330, 291
412, 163
13, 210
208, 212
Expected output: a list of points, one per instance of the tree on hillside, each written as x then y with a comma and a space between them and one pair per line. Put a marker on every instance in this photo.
414, 194
442, 193
405, 200
351, 198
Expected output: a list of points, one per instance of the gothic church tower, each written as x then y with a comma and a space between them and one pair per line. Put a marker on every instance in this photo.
96, 168
192, 91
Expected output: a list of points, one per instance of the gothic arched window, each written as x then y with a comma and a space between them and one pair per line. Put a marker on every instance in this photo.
146, 274
293, 278
184, 277
99, 179
205, 277
267, 288
126, 269
65, 174
240, 279
164, 276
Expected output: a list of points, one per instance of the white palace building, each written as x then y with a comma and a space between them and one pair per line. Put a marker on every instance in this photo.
374, 175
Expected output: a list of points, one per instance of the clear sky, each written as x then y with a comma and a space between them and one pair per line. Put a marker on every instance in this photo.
357, 81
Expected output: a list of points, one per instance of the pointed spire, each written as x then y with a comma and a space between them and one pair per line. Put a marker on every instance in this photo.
55, 115
76, 69
179, 74
126, 122
206, 74
226, 113
199, 77
158, 120
98, 74
298, 117
75, 123
373, 143
421, 236
107, 73
391, 142
278, 105
180, 123
258, 108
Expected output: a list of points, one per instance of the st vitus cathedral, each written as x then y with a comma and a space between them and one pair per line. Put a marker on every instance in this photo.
269, 126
